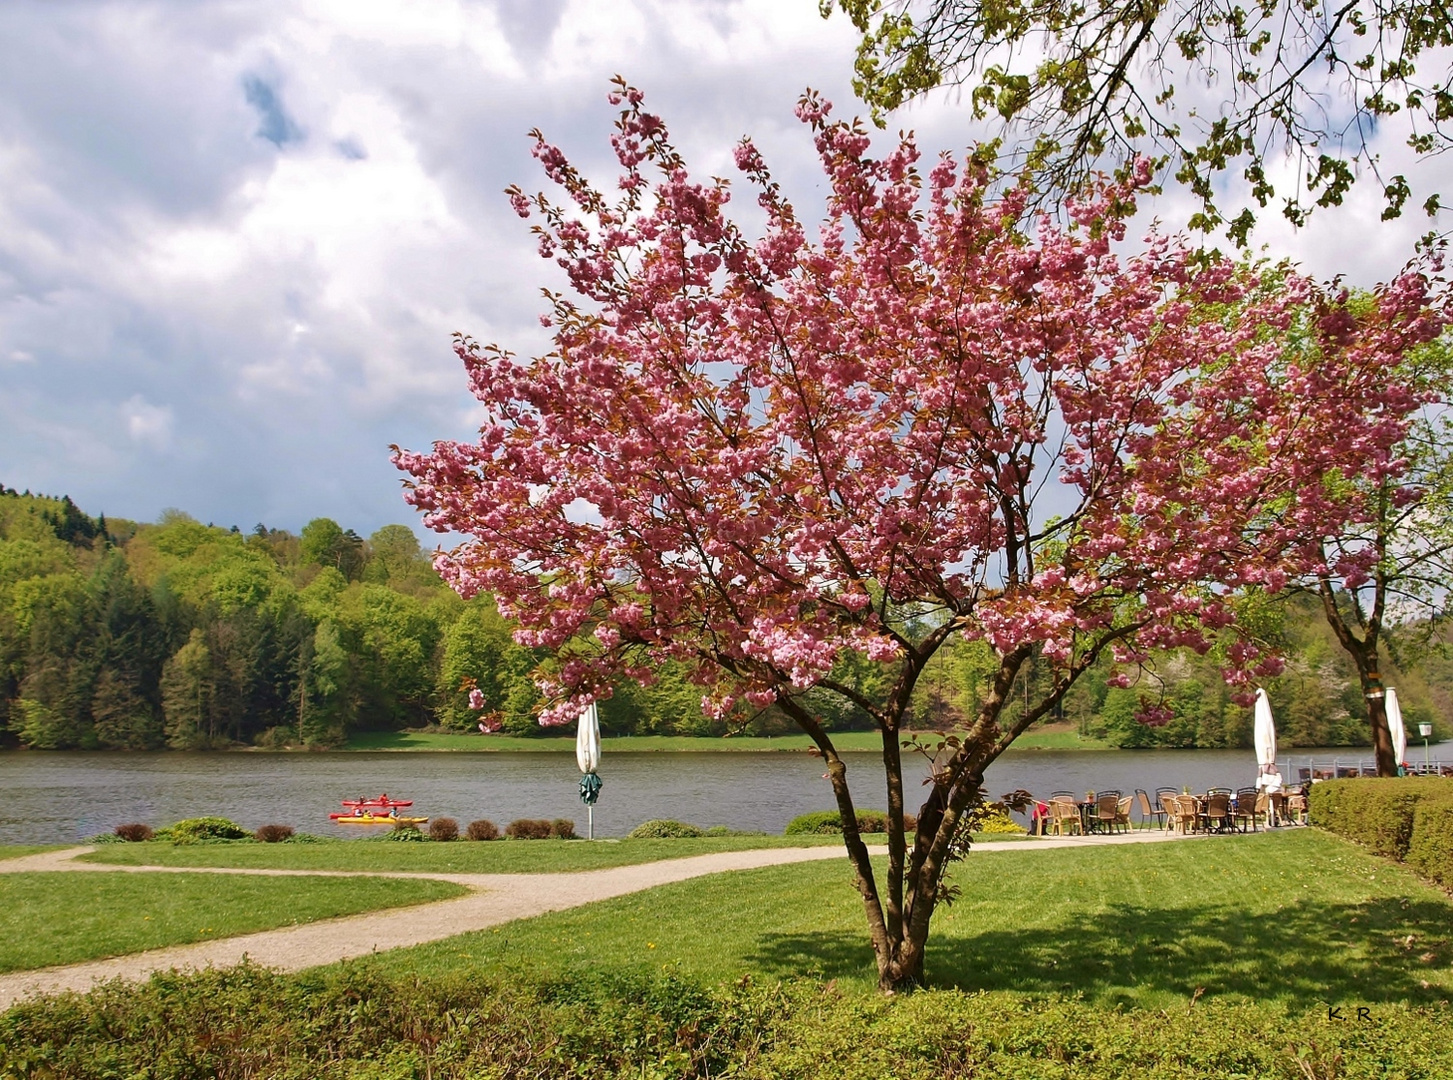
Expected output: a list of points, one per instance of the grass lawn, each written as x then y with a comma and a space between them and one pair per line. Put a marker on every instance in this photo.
459, 857
1296, 918
15, 851
66, 917
844, 740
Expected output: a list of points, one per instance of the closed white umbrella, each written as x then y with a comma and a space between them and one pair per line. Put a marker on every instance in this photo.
1264, 738
1264, 734
1396, 728
587, 740
587, 756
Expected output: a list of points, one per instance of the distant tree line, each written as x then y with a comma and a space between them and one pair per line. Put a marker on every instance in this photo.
121, 635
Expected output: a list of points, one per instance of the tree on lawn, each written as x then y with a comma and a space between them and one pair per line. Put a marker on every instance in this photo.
1391, 572
1215, 85
755, 458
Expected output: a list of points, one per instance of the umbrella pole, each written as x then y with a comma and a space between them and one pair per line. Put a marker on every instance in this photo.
590, 823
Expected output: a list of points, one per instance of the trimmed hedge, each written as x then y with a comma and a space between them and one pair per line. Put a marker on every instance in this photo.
1409, 819
1377, 813
1430, 852
359, 1022
664, 829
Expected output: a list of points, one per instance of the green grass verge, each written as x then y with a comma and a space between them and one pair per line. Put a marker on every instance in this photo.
362, 1023
458, 857
1059, 740
847, 741
1295, 918
15, 851
416, 740
65, 917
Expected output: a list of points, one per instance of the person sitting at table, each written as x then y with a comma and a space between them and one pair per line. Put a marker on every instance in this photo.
1038, 818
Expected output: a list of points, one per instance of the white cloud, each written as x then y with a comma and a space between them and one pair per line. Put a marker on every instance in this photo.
291, 299
147, 423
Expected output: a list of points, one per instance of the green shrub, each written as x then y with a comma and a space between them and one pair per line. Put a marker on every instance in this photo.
528, 829
405, 832
1375, 812
274, 834
357, 1021
443, 829
1430, 852
196, 830
818, 823
483, 829
830, 822
274, 738
667, 829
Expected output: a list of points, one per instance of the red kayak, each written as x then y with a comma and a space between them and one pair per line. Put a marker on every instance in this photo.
362, 807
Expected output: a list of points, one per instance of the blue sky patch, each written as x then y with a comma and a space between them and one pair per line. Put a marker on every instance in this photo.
276, 127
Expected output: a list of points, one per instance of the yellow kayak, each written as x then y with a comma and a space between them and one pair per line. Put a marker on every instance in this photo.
379, 819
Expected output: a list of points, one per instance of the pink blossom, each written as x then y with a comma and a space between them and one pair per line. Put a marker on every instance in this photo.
777, 429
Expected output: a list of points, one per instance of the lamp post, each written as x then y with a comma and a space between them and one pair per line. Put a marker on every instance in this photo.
1425, 730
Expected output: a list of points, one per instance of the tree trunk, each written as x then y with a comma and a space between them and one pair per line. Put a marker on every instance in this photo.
1382, 748
1363, 651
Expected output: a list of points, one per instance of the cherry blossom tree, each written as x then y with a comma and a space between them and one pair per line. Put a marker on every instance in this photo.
1385, 579
756, 457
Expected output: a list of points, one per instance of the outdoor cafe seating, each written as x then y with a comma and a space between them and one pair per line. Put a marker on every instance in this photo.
1218, 810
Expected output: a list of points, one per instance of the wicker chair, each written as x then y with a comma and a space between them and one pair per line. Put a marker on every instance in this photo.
1064, 814
1122, 814
1180, 813
1142, 802
1217, 812
1106, 812
1249, 803
1161, 795
1296, 808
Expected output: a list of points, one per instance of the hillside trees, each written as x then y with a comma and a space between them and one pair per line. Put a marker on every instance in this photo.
755, 457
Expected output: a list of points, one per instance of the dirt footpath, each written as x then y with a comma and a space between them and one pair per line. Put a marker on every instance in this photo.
493, 899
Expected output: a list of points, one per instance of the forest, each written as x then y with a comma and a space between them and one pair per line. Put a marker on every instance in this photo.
123, 635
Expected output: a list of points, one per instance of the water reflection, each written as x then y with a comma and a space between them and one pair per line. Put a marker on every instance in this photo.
60, 797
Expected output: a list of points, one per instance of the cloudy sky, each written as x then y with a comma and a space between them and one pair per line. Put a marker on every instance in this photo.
235, 237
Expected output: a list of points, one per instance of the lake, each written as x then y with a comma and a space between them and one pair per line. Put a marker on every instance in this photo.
62, 797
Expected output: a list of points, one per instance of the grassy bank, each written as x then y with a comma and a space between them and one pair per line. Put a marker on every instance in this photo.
15, 851
848, 741
459, 857
66, 917
1207, 958
1295, 917
1187, 961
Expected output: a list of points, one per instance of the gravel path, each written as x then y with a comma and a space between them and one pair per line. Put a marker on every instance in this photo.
493, 899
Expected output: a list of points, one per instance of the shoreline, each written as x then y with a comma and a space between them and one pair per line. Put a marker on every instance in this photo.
852, 742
